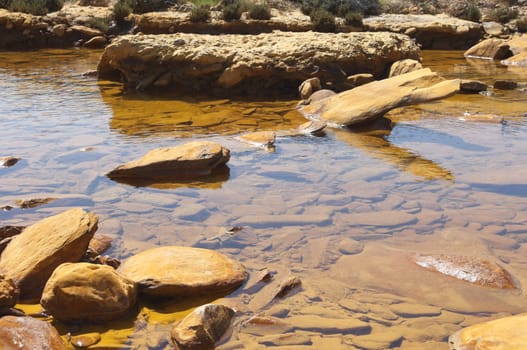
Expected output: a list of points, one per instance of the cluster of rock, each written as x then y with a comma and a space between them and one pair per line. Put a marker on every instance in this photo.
511, 52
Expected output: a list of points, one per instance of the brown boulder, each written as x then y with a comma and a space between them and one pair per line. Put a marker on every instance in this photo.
360, 79
472, 86
504, 333
519, 60
202, 328
475, 270
97, 42
8, 293
309, 86
31, 257
193, 159
259, 138
505, 85
182, 271
496, 49
404, 66
6, 162
26, 333
90, 292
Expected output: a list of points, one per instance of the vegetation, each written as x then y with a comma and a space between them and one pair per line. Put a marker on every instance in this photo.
503, 14
34, 7
521, 24
200, 14
467, 9
232, 10
103, 24
259, 11
323, 21
121, 10
353, 19
341, 7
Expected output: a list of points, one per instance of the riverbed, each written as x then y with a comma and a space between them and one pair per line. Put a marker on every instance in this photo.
346, 212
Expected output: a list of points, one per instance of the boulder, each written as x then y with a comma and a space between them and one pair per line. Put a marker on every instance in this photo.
503, 333
259, 138
360, 79
32, 256
26, 333
519, 60
8, 293
202, 328
357, 105
472, 86
97, 42
87, 292
190, 160
518, 44
505, 85
183, 271
429, 31
496, 49
6, 162
404, 66
309, 86
7, 233
493, 28
238, 64
475, 270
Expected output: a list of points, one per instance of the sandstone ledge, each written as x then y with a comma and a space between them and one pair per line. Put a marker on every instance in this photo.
250, 64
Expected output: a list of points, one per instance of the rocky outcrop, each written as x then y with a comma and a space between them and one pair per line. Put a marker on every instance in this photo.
182, 271
429, 31
89, 292
191, 160
503, 333
202, 328
26, 333
32, 256
467, 268
233, 64
357, 105
496, 49
8, 293
518, 47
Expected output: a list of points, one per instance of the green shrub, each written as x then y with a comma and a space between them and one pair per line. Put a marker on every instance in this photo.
521, 24
4, 4
323, 21
259, 11
103, 24
143, 6
353, 19
503, 14
232, 11
468, 10
35, 7
121, 10
200, 14
341, 7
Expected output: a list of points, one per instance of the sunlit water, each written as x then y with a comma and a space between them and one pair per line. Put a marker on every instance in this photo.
344, 212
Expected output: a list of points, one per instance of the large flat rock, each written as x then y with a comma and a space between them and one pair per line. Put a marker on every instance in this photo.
250, 64
430, 31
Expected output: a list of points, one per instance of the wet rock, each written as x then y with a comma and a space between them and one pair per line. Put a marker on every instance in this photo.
289, 339
33, 203
472, 86
313, 127
189, 160
100, 243
309, 86
467, 268
8, 293
83, 291
239, 63
356, 105
350, 246
202, 328
97, 42
317, 96
505, 85
85, 340
263, 324
404, 66
493, 28
496, 49
259, 138
59, 30
86, 33
414, 310
429, 31
287, 286
503, 333
7, 233
328, 325
182, 271
483, 118
26, 333
360, 79
519, 60
378, 341
31, 257
8, 161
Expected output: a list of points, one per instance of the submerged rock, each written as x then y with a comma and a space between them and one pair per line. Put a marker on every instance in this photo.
357, 105
89, 292
183, 271
26, 333
504, 333
468, 268
193, 159
202, 328
33, 203
240, 63
472, 86
85, 340
31, 257
259, 138
8, 161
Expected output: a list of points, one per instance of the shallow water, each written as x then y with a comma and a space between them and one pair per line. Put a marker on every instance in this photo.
345, 212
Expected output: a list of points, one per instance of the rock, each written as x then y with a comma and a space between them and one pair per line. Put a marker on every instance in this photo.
309, 86
8, 292
59, 30
182, 271
505, 85
260, 138
312, 127
33, 203
467, 268
31, 257
26, 333
190, 160
496, 49
483, 118
287, 285
350, 246
86, 33
202, 328
472, 86
7, 233
328, 325
87, 292
6, 162
404, 66
429, 31
239, 63
100, 243
518, 44
503, 333
414, 310
356, 106
359, 79
97, 42
85, 340
493, 28
519, 60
